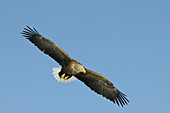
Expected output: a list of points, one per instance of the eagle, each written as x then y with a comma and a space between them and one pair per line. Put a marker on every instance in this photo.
71, 70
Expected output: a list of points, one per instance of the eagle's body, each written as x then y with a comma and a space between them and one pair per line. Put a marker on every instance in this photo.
72, 70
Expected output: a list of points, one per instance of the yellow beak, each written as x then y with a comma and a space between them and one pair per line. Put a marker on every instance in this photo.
84, 71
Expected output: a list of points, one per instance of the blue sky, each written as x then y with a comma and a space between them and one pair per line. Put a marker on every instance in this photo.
126, 41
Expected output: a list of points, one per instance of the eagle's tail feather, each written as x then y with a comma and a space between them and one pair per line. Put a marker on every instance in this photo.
56, 71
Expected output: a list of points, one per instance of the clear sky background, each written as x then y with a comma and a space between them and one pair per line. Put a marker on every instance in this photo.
127, 41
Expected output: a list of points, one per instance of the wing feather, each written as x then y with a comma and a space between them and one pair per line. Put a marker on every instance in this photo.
47, 46
103, 86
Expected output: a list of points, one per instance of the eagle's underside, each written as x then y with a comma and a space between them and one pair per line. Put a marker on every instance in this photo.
72, 70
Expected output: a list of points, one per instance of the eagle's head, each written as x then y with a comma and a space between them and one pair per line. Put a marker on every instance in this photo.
77, 67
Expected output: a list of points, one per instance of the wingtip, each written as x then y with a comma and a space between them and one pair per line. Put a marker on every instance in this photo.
29, 32
122, 99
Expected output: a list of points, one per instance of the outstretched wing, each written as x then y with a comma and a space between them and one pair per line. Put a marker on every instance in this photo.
103, 86
47, 46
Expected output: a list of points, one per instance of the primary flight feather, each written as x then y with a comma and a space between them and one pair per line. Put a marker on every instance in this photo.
72, 70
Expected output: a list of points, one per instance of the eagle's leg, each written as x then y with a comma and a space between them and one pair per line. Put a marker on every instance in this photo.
64, 75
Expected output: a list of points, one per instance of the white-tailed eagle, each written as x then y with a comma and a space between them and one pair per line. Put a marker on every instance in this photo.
72, 70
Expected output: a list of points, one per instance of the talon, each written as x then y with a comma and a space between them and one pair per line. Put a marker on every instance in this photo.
66, 77
63, 75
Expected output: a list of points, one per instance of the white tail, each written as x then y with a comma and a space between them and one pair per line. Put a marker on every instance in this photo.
56, 71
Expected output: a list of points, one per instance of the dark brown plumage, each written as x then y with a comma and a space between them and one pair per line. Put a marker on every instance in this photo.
47, 46
103, 86
70, 67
